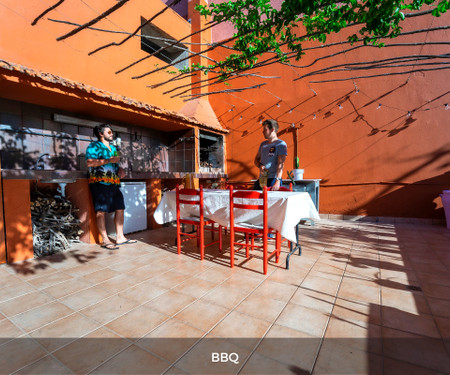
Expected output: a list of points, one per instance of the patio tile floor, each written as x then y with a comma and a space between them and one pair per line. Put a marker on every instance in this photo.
365, 298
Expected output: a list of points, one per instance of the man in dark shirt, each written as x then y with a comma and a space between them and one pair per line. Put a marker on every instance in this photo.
104, 182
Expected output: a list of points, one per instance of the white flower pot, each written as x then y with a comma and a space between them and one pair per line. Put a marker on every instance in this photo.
298, 174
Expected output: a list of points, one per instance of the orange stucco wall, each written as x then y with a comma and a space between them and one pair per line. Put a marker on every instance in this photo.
153, 198
36, 46
373, 160
17, 220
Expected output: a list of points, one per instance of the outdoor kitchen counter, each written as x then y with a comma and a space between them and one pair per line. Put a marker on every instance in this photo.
30, 174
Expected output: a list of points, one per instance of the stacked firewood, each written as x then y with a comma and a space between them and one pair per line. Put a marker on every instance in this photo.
55, 227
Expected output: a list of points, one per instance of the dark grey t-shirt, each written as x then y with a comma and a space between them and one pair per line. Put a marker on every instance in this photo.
269, 155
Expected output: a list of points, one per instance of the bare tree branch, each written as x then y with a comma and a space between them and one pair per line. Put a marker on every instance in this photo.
381, 75
136, 31
195, 96
128, 33
35, 21
93, 21
384, 63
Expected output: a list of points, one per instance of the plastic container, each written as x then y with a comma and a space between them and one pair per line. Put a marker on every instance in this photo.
298, 174
263, 178
445, 197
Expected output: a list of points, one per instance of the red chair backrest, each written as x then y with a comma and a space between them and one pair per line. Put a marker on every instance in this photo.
251, 195
190, 193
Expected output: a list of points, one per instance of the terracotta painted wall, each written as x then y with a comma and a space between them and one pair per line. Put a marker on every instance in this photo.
373, 160
17, 220
36, 46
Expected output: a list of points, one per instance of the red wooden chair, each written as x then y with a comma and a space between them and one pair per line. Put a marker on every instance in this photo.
284, 188
251, 230
185, 196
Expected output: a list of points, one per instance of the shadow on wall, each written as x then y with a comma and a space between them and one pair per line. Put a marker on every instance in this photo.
414, 200
240, 169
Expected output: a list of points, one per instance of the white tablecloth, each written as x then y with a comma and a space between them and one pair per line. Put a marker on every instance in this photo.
285, 210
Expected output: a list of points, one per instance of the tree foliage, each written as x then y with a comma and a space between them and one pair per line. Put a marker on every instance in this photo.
261, 28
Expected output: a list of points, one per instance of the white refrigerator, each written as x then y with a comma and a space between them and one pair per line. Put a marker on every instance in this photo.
135, 196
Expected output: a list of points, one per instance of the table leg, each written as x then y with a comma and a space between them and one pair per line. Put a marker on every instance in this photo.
292, 248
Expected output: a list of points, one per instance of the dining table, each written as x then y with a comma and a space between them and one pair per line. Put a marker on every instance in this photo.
285, 210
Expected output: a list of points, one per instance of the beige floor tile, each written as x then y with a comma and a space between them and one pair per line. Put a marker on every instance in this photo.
393, 367
66, 287
143, 292
303, 319
362, 313
421, 351
14, 289
170, 302
444, 327
261, 307
130, 265
294, 348
335, 357
422, 324
195, 287
224, 296
175, 371
31, 269
81, 270
359, 290
244, 328
118, 283
87, 353
438, 278
199, 360
100, 276
144, 272
46, 365
109, 309
413, 302
52, 279
133, 251
314, 300
150, 271
170, 279
326, 272
274, 290
8, 330
439, 307
110, 258
215, 274
365, 337
171, 339
25, 302
436, 291
19, 353
193, 267
137, 322
39, 316
202, 315
259, 364
63, 331
321, 284
133, 360
86, 297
